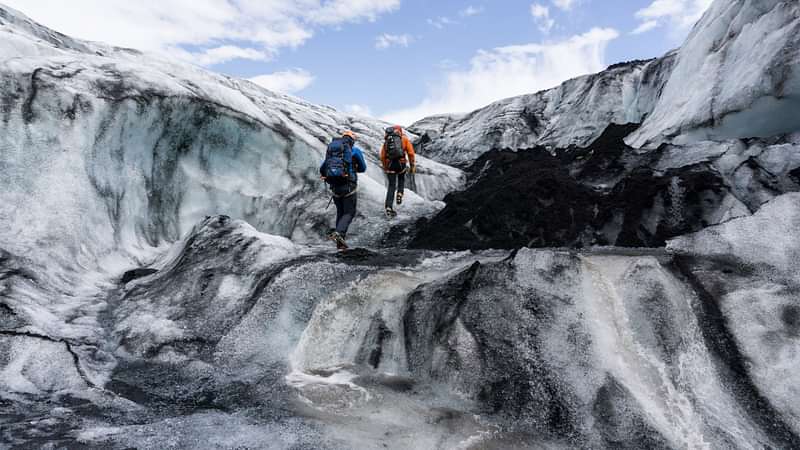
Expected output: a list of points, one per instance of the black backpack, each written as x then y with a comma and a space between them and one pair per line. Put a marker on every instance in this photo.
394, 144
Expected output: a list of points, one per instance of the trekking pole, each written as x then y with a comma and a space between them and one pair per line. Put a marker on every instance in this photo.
329, 200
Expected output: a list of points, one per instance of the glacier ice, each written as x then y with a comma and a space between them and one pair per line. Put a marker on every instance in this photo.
748, 267
717, 86
108, 158
133, 314
738, 90
540, 347
574, 113
767, 238
247, 331
135, 150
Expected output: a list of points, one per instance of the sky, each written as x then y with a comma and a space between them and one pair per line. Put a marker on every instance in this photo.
399, 60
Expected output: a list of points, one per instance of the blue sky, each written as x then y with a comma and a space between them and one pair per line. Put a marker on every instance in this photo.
395, 59
348, 69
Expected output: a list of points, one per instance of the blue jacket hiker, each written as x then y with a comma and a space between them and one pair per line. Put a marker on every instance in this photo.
343, 162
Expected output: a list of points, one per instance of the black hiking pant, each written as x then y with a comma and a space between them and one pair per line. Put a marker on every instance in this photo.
345, 211
397, 181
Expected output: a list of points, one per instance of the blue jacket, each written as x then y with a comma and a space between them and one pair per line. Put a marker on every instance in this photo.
359, 163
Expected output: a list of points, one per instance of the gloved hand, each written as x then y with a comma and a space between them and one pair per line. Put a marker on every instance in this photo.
413, 168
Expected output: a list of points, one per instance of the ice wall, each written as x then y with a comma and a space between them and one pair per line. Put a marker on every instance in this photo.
107, 149
736, 76
574, 113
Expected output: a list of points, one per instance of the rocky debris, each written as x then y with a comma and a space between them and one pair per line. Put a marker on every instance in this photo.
607, 194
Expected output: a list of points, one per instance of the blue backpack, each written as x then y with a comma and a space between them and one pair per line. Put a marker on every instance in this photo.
339, 161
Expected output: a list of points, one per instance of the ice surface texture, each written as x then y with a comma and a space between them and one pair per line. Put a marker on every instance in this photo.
748, 270
413, 349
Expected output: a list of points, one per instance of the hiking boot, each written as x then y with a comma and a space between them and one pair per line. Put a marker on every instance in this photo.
390, 212
339, 239
399, 198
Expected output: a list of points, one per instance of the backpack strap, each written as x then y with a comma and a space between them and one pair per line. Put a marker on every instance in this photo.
345, 195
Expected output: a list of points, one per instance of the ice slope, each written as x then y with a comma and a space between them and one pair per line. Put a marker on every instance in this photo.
748, 270
736, 76
236, 330
574, 113
108, 157
105, 149
537, 348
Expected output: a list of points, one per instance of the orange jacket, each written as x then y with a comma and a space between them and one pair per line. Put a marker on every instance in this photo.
408, 149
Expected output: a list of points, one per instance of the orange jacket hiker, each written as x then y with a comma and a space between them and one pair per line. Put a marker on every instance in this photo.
408, 150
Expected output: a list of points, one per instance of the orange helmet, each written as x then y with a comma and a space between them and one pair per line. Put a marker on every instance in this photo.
349, 134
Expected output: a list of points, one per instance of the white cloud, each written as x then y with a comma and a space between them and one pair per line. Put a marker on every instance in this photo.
385, 41
288, 82
539, 11
680, 15
441, 22
225, 53
471, 11
214, 30
541, 14
358, 110
645, 27
334, 12
509, 71
566, 5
